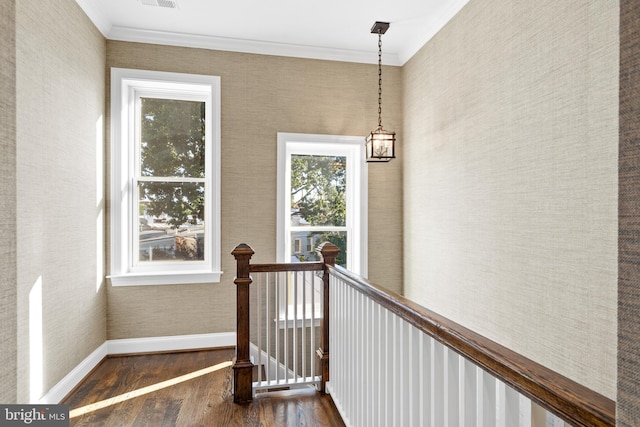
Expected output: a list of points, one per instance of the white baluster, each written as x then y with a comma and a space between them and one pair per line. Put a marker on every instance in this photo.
375, 363
294, 328
406, 352
349, 398
400, 347
258, 309
278, 297
346, 331
469, 399
395, 346
525, 411
362, 360
415, 340
453, 389
286, 326
313, 322
365, 380
511, 407
269, 325
385, 367
357, 337
426, 381
488, 400
438, 416
500, 401
554, 421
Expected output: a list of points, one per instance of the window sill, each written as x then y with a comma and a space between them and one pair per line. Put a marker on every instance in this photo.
165, 278
300, 322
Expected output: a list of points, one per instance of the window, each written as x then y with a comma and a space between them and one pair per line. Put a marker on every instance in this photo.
165, 154
322, 194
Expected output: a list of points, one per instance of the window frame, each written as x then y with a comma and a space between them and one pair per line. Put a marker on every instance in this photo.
351, 147
127, 87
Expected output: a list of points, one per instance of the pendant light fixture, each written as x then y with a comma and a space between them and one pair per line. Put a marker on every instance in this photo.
380, 144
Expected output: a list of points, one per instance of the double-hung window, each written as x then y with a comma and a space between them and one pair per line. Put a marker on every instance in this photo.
322, 196
165, 154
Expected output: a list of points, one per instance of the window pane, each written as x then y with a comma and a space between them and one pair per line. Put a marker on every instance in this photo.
172, 138
171, 224
300, 254
318, 186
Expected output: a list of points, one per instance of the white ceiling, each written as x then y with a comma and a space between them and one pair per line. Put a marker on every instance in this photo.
331, 29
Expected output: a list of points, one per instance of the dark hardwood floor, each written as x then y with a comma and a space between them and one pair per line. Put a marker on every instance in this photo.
186, 389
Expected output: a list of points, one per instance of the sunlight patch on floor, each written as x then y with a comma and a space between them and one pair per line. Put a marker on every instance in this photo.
146, 390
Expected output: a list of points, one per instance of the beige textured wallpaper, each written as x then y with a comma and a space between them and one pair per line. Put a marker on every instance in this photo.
60, 63
510, 179
261, 96
8, 263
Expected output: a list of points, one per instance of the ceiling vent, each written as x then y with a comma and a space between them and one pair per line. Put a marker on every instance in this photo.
171, 4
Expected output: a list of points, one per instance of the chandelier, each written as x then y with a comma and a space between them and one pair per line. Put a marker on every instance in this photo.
380, 144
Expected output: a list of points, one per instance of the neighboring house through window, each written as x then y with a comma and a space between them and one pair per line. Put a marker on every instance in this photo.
165, 154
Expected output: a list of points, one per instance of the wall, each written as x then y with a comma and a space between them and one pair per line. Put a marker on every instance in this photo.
60, 64
8, 263
628, 402
263, 95
510, 180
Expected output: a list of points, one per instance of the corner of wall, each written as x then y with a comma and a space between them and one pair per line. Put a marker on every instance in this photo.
8, 257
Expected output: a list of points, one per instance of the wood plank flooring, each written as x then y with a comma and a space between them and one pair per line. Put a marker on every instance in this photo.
186, 389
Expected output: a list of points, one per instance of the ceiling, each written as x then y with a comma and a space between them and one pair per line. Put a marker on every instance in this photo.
332, 29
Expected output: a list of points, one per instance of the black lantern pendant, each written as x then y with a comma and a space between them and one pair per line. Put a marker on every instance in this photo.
380, 144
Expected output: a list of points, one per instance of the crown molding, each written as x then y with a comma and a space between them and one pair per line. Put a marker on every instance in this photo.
428, 30
246, 46
102, 23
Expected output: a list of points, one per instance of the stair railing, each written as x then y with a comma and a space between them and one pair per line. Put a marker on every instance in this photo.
396, 363
282, 324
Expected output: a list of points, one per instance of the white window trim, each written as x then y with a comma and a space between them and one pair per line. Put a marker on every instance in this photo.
124, 85
299, 143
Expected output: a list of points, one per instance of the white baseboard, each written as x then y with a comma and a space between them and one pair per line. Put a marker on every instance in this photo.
172, 343
131, 346
73, 378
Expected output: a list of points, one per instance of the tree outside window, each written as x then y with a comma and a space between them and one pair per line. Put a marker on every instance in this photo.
171, 179
318, 199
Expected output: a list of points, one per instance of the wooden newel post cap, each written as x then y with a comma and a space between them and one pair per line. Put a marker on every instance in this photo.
329, 252
242, 251
242, 254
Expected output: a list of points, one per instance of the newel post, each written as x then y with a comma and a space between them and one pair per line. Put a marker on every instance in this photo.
329, 253
242, 368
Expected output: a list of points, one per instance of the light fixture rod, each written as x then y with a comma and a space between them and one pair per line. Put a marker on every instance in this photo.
379, 28
380, 79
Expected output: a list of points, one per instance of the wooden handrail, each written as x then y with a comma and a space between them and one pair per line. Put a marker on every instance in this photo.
293, 266
571, 401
